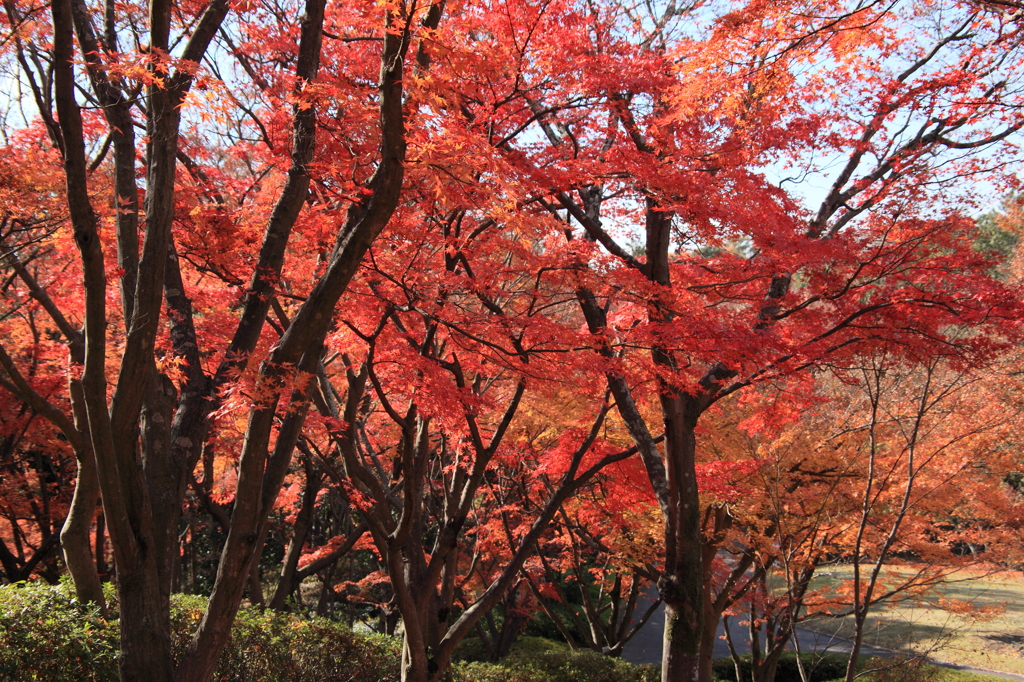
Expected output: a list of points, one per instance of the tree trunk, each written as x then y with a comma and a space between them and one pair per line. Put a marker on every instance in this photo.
858, 640
161, 472
681, 585
74, 536
101, 546
707, 644
254, 586
414, 600
145, 621
287, 584
769, 667
407, 565
145, 627
415, 663
674, 479
680, 656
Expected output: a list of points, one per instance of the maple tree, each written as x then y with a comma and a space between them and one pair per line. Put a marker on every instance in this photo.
934, 445
260, 151
31, 213
875, 264
170, 424
898, 463
37, 477
600, 550
341, 534
415, 475
37, 487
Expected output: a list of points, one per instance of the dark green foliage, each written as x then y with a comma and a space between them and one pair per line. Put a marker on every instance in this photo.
994, 237
202, 553
998, 235
47, 636
534, 659
471, 650
820, 668
541, 626
283, 648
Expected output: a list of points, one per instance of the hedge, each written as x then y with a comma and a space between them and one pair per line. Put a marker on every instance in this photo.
47, 636
820, 668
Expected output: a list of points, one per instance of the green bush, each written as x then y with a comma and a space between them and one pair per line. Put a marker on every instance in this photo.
282, 648
471, 650
534, 659
47, 636
476, 671
820, 668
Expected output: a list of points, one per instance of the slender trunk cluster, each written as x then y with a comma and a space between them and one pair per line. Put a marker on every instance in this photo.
148, 438
679, 152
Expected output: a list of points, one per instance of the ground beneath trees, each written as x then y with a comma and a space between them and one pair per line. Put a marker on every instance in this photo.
990, 640
645, 647
991, 637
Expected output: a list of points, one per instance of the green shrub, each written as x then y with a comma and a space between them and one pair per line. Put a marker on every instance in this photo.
282, 648
476, 671
820, 668
544, 660
47, 636
471, 650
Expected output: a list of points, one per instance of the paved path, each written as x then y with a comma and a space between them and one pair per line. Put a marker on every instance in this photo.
645, 647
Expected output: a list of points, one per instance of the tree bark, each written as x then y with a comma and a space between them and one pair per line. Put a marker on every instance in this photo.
681, 584
161, 472
74, 536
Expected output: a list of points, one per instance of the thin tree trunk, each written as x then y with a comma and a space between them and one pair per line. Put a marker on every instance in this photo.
286, 585
74, 536
255, 587
732, 652
858, 639
101, 545
325, 601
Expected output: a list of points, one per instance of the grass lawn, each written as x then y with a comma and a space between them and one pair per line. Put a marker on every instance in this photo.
933, 674
947, 675
994, 643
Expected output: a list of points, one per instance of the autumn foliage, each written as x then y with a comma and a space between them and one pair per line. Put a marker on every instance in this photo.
465, 314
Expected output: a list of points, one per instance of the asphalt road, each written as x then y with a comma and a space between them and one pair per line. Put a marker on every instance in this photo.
645, 647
